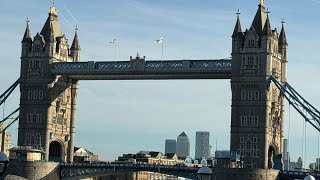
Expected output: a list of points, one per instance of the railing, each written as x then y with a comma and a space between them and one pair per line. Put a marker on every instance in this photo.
141, 65
69, 170
298, 175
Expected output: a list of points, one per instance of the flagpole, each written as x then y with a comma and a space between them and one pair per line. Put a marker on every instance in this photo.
115, 50
161, 50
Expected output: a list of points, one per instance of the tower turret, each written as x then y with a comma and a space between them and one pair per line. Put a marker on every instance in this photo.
282, 37
26, 41
283, 50
266, 36
75, 47
237, 36
267, 28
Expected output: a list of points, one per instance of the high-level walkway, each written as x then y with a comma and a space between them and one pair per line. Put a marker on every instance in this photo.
141, 69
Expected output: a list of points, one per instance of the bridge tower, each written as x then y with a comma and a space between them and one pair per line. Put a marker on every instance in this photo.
47, 103
257, 113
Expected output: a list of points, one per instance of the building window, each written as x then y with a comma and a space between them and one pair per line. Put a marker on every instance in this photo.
38, 47
29, 118
39, 118
34, 64
27, 138
30, 95
241, 146
34, 118
241, 139
250, 95
38, 139
250, 61
249, 121
256, 95
35, 95
255, 121
255, 140
40, 94
251, 43
255, 147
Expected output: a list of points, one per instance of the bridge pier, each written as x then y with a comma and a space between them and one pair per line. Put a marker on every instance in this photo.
74, 92
33, 170
245, 174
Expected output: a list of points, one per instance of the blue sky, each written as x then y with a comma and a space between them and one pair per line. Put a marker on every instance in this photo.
116, 117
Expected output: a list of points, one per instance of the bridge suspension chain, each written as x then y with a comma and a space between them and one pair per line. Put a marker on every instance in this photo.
311, 115
4, 96
14, 116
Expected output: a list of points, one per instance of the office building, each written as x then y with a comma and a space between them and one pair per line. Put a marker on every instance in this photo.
183, 145
202, 145
170, 146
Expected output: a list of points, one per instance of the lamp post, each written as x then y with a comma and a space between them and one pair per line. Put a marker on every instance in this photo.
3, 163
204, 173
309, 177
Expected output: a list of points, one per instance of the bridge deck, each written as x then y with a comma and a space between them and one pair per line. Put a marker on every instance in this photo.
140, 69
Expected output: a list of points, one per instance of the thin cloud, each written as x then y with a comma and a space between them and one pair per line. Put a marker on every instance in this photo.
316, 1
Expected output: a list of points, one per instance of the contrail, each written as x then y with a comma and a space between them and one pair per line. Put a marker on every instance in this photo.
66, 20
74, 19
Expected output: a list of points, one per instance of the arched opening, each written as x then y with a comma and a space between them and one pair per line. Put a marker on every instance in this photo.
271, 154
55, 152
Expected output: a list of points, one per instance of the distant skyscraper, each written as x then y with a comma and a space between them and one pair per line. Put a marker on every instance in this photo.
183, 145
170, 146
202, 145
286, 158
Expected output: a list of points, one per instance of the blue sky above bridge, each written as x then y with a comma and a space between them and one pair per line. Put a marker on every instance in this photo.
116, 117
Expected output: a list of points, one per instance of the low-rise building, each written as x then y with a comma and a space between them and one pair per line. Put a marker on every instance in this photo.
83, 155
151, 157
26, 153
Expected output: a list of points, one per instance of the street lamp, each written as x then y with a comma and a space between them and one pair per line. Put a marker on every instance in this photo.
3, 163
309, 178
205, 173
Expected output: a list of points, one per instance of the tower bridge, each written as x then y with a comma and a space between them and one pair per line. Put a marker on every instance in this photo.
51, 69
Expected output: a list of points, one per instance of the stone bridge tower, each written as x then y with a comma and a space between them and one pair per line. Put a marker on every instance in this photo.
257, 115
47, 103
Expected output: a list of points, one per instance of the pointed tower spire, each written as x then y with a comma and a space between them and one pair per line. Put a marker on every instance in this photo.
237, 29
267, 27
52, 25
260, 18
75, 43
75, 47
27, 34
282, 37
